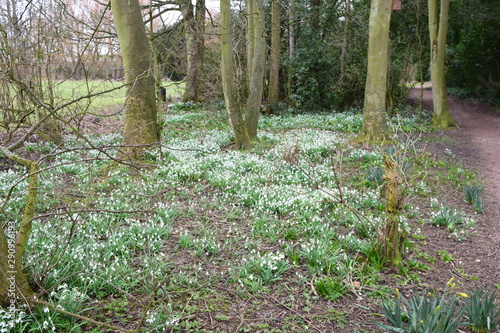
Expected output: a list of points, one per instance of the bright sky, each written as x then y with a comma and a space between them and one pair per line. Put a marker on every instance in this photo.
212, 4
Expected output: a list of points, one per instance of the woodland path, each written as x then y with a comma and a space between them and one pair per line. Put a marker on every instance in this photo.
476, 141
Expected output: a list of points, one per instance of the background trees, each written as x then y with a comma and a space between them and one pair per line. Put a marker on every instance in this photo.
474, 47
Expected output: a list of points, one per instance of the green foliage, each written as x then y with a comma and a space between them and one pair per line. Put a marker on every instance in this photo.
445, 256
432, 312
331, 288
179, 106
260, 269
374, 176
473, 46
429, 312
481, 310
473, 196
317, 82
449, 218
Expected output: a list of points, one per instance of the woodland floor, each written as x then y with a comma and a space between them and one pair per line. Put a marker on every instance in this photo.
475, 143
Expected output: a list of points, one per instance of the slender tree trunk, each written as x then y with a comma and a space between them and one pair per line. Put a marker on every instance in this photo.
242, 139
343, 54
291, 40
14, 287
274, 71
250, 11
257, 75
292, 29
200, 28
140, 107
438, 29
375, 127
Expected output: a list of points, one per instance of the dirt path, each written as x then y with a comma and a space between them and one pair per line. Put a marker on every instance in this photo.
477, 138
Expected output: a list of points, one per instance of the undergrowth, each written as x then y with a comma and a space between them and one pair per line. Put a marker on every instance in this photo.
209, 236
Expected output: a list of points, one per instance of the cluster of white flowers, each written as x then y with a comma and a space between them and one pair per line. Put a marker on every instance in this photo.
344, 122
10, 320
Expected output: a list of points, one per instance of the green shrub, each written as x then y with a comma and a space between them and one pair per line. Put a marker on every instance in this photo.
473, 196
481, 311
422, 313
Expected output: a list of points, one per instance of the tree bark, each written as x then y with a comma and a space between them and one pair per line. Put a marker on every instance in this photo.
343, 54
250, 11
375, 127
393, 238
140, 130
242, 139
274, 70
438, 29
291, 40
14, 287
194, 47
254, 101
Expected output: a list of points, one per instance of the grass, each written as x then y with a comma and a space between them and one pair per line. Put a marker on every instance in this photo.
70, 90
211, 237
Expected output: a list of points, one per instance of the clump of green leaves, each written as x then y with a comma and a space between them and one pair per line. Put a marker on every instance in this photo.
473, 196
330, 288
179, 106
374, 176
429, 312
481, 310
261, 269
448, 218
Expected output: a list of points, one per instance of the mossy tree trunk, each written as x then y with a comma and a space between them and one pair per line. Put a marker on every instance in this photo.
292, 28
14, 287
274, 63
242, 139
392, 238
438, 29
140, 128
250, 37
254, 101
375, 127
194, 46
345, 36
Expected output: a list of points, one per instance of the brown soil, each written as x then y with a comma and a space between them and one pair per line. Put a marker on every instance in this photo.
475, 143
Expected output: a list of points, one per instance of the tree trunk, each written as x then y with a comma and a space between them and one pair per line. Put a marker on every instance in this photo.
374, 117
13, 282
274, 70
292, 29
291, 40
242, 139
14, 287
194, 46
250, 11
257, 75
140, 125
438, 29
393, 239
343, 54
